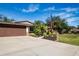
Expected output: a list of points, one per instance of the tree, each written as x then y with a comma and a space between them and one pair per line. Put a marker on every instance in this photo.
39, 28
57, 24
5, 19
78, 26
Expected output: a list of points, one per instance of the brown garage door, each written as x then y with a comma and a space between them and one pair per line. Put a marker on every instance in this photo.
12, 30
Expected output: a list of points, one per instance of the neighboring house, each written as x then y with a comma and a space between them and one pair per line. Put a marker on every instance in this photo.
75, 30
20, 28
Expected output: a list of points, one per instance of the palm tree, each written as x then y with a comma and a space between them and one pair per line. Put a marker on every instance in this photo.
57, 24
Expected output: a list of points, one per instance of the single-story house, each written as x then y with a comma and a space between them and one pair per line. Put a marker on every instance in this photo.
19, 28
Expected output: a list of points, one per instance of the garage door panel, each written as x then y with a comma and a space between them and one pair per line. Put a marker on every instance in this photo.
2, 31
12, 31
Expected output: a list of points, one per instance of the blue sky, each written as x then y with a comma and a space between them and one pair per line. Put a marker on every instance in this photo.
40, 11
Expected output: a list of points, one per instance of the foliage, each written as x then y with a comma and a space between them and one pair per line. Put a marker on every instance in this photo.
37, 31
78, 26
47, 34
33, 34
5, 19
57, 23
50, 35
52, 24
39, 28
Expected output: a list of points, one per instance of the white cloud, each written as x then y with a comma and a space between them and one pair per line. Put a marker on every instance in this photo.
67, 15
69, 20
49, 8
70, 9
72, 19
31, 8
59, 14
64, 15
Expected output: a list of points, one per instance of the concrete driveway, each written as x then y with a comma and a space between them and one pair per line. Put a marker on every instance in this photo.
31, 46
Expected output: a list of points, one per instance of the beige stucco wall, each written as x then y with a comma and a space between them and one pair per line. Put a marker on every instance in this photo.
27, 30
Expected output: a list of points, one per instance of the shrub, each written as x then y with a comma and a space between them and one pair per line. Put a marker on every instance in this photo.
45, 35
51, 35
33, 34
39, 28
37, 32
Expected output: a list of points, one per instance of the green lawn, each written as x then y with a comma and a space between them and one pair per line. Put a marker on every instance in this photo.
69, 38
